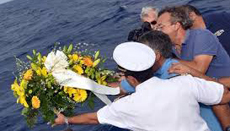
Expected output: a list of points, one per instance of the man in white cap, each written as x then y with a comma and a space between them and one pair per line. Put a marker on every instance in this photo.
157, 105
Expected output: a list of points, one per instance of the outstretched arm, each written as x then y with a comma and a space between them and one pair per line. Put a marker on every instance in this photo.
86, 118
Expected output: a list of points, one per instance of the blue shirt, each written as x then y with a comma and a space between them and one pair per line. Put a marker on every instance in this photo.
160, 73
218, 24
203, 42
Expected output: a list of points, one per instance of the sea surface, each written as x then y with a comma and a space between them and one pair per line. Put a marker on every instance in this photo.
97, 24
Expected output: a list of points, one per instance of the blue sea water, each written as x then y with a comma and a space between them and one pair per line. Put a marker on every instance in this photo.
38, 24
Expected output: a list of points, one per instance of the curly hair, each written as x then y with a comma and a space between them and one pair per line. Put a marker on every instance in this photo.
178, 15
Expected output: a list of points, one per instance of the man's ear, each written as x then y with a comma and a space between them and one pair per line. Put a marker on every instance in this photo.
132, 81
177, 26
158, 56
192, 16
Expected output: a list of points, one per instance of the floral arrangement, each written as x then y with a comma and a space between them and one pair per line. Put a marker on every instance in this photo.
37, 90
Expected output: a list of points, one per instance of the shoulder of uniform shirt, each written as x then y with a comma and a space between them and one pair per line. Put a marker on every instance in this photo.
146, 83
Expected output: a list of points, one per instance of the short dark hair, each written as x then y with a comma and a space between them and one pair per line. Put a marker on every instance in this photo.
158, 41
178, 15
141, 76
190, 8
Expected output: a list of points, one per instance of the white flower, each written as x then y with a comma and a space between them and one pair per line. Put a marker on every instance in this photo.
56, 61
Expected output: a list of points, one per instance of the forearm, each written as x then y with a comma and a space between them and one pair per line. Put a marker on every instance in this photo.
225, 81
222, 112
86, 118
201, 67
196, 73
226, 96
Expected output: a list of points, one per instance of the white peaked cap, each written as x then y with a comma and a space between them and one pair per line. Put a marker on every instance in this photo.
134, 56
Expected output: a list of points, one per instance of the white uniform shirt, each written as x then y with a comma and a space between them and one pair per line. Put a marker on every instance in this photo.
163, 105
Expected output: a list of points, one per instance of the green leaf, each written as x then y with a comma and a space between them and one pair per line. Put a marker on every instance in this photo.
64, 49
95, 63
70, 48
30, 116
34, 66
103, 61
92, 76
39, 57
96, 55
70, 62
34, 52
29, 57
103, 77
25, 111
91, 103
98, 75
49, 85
87, 70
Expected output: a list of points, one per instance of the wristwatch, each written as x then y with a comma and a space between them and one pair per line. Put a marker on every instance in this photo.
227, 128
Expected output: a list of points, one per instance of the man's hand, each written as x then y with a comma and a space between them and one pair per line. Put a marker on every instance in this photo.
179, 68
114, 84
60, 119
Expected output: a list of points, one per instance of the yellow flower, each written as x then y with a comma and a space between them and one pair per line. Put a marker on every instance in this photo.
23, 84
80, 95
15, 86
43, 59
22, 100
75, 57
71, 91
44, 72
35, 102
18, 89
88, 61
39, 71
28, 75
20, 92
65, 89
78, 69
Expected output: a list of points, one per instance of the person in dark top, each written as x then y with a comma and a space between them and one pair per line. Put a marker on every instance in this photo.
149, 18
136, 33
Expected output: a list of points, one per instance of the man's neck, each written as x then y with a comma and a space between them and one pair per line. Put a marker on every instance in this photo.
199, 23
158, 64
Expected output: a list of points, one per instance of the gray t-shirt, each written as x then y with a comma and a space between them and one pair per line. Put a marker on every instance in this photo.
203, 42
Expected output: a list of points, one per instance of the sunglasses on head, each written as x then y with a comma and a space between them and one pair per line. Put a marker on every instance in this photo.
153, 22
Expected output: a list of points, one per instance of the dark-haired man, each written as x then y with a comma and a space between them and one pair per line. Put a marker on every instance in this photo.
163, 105
217, 23
199, 49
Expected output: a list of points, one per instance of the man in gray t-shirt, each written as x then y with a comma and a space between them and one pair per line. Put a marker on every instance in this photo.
202, 42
